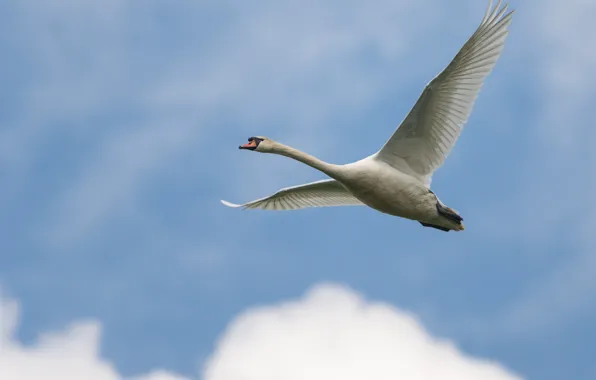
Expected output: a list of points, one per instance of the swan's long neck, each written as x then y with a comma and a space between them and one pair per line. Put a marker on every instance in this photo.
331, 170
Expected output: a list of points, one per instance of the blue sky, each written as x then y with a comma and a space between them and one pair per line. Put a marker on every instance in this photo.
119, 127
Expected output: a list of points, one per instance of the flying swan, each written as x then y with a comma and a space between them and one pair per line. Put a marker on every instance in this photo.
396, 180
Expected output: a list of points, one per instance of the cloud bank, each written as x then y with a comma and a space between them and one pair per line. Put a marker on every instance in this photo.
331, 332
64, 355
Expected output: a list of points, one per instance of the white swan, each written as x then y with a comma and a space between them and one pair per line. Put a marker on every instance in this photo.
396, 179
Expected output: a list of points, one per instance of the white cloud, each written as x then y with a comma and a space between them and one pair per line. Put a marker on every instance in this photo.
331, 332
64, 355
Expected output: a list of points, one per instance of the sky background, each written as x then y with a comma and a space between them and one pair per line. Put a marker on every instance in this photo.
119, 127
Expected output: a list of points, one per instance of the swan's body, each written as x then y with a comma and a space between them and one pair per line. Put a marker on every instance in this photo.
378, 185
396, 179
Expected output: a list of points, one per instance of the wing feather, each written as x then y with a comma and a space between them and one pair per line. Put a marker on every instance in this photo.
428, 133
325, 193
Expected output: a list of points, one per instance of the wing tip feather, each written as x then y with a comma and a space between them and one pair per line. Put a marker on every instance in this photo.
497, 12
229, 204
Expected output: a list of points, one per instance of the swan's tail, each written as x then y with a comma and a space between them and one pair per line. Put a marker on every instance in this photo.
453, 219
448, 219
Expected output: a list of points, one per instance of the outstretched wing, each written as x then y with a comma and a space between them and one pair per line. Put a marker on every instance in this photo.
426, 136
325, 193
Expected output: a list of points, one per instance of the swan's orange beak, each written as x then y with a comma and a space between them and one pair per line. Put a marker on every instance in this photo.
251, 145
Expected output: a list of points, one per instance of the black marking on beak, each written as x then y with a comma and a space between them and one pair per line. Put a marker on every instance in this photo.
253, 143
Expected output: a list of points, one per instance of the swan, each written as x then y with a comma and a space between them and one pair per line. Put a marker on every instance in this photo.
396, 179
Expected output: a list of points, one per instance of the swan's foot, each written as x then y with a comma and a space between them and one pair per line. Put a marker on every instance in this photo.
437, 227
449, 213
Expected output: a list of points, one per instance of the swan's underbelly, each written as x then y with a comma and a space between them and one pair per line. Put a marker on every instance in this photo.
399, 196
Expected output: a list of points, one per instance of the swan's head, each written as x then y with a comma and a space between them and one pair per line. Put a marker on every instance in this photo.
258, 143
